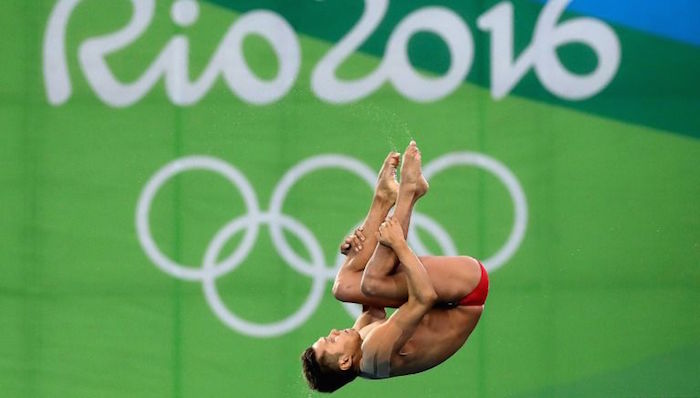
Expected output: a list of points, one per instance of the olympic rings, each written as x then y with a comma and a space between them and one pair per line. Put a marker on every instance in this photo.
316, 268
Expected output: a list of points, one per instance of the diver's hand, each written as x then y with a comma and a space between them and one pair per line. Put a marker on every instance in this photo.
390, 233
353, 242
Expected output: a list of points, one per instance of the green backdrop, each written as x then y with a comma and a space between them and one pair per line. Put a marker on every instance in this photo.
597, 297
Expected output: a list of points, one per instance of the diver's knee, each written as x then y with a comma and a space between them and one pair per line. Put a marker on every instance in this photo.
369, 286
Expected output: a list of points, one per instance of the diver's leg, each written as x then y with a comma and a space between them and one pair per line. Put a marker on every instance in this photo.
379, 279
382, 283
360, 246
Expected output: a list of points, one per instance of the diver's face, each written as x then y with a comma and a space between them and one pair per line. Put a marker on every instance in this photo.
345, 341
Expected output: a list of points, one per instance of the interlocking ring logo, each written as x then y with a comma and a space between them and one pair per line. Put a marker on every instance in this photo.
316, 268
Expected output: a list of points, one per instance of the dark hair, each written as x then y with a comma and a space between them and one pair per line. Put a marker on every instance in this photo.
321, 377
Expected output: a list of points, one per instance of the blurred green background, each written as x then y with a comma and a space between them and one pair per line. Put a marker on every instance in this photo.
600, 298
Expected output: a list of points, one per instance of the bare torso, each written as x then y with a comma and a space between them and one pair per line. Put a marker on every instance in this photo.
440, 334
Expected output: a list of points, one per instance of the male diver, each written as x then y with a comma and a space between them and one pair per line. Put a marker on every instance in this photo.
439, 299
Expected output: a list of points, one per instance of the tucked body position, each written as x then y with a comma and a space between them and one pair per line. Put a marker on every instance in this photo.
439, 299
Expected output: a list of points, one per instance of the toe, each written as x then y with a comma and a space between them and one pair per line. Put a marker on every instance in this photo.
395, 160
392, 159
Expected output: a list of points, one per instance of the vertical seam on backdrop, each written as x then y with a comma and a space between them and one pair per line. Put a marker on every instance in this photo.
481, 120
31, 301
177, 207
177, 304
547, 288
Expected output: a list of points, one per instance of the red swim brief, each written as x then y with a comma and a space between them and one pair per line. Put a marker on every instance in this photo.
478, 295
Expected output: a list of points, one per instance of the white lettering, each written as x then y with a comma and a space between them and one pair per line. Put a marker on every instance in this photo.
395, 65
228, 61
172, 62
58, 87
541, 52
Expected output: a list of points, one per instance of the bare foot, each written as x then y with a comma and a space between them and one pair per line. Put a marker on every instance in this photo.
411, 175
387, 188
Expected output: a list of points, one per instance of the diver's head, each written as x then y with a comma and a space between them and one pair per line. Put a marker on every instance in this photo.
333, 361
